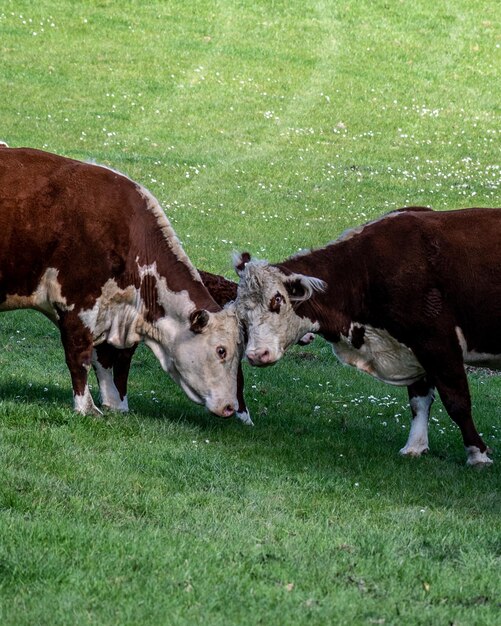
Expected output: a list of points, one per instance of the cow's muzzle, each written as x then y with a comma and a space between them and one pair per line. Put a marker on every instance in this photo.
260, 357
224, 410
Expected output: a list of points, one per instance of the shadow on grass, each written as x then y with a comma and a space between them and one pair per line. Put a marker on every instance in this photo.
333, 455
35, 393
171, 406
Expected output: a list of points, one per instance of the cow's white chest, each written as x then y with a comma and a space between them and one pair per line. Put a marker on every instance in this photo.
380, 355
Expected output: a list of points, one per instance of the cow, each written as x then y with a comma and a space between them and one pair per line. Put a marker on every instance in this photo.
93, 251
407, 298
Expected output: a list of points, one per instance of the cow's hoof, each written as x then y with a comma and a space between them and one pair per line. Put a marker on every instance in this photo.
413, 451
477, 458
245, 418
114, 409
92, 411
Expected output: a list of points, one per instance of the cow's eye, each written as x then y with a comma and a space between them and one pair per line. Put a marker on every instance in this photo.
276, 302
221, 352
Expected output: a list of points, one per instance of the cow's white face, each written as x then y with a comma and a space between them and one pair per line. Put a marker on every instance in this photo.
265, 303
203, 357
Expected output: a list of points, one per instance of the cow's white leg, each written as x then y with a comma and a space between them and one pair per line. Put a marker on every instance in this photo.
417, 443
110, 396
306, 339
84, 404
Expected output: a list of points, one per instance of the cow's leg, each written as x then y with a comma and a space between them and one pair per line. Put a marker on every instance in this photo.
455, 395
442, 359
242, 412
121, 369
421, 396
77, 344
111, 367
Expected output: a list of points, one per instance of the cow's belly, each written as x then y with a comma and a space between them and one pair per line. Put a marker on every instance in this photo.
492, 361
380, 355
45, 298
475, 358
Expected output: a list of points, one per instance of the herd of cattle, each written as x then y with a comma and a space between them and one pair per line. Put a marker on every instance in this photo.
408, 298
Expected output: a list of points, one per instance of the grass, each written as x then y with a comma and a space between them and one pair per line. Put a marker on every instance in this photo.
270, 126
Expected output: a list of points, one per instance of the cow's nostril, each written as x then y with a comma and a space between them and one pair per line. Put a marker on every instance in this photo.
228, 410
264, 356
251, 356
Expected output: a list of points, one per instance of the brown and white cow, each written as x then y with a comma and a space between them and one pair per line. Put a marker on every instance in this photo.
94, 252
408, 298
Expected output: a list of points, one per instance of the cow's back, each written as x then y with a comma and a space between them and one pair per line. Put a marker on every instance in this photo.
411, 268
456, 251
422, 266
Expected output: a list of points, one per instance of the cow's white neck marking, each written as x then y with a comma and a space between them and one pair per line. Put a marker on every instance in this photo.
117, 316
168, 232
380, 355
114, 316
176, 303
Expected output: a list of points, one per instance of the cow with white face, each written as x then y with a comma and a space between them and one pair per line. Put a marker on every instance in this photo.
408, 299
266, 297
94, 252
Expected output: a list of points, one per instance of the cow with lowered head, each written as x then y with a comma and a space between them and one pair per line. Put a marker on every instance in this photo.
409, 298
94, 252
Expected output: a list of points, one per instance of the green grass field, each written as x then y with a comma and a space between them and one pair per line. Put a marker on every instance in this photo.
270, 126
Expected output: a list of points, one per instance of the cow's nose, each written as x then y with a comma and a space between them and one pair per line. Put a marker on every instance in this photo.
228, 410
261, 356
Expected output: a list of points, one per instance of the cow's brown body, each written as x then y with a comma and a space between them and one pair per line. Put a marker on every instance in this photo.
408, 299
93, 251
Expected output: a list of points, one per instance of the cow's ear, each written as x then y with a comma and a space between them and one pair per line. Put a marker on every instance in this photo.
240, 260
301, 287
199, 320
